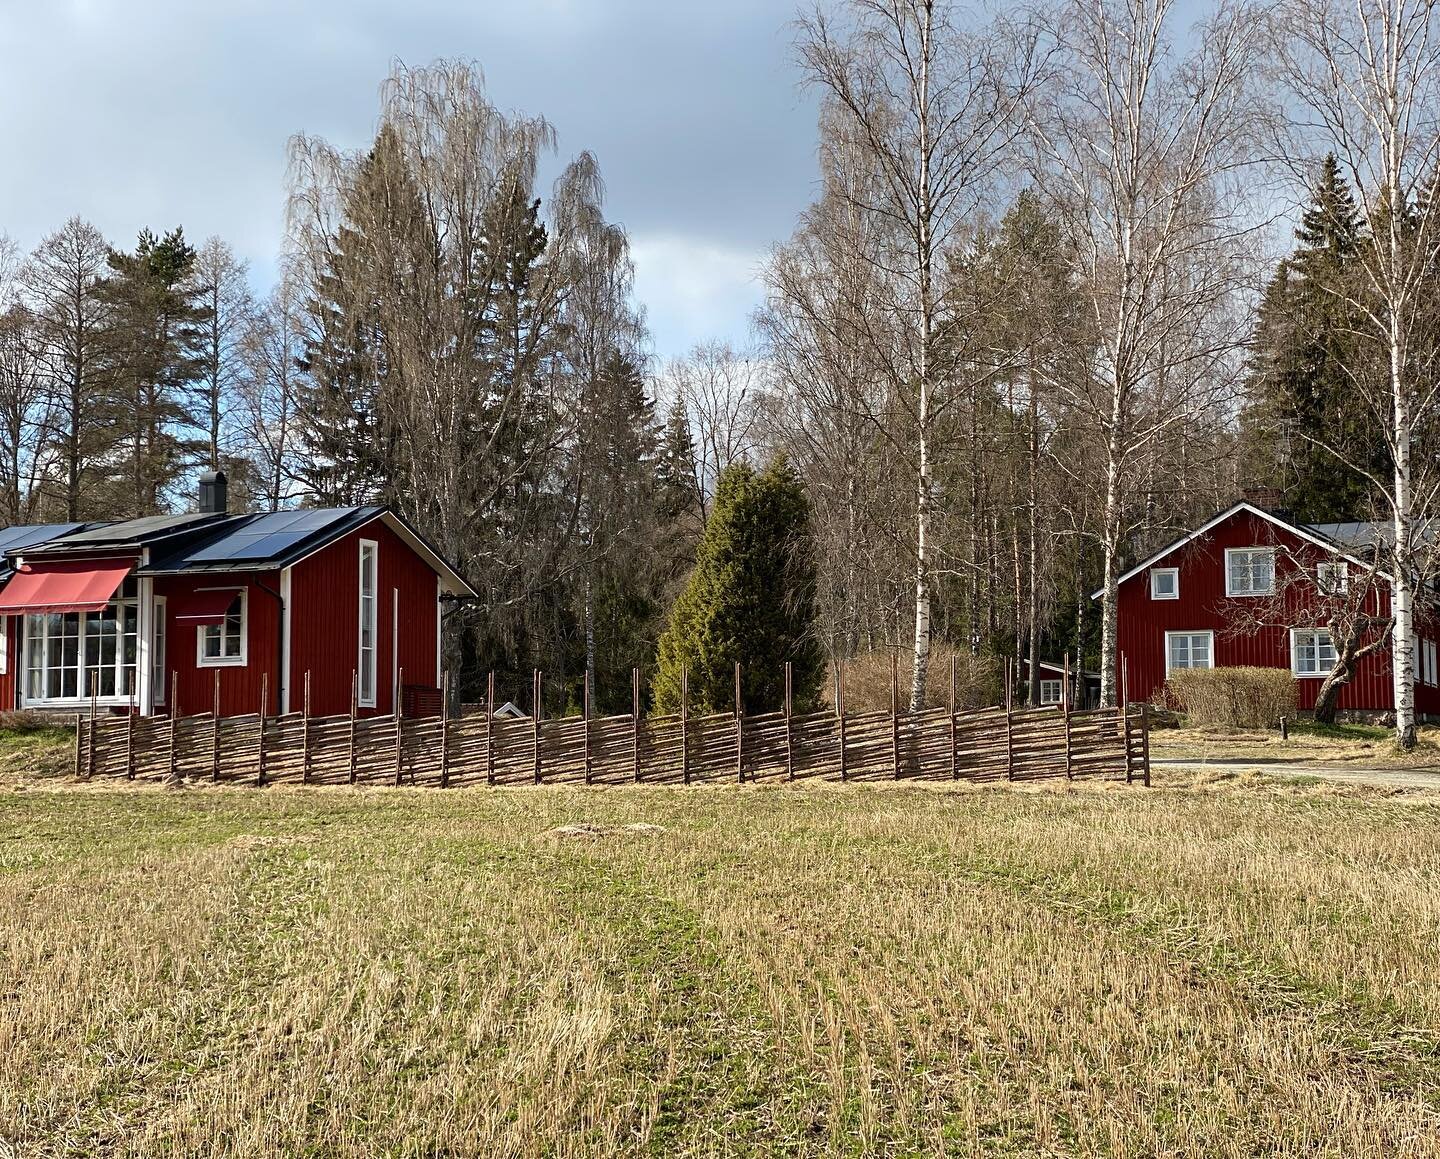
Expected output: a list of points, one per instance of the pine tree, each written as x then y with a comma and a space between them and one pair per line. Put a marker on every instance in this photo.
1304, 419
751, 599
154, 339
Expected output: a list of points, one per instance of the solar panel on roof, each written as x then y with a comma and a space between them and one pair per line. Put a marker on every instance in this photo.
266, 536
26, 535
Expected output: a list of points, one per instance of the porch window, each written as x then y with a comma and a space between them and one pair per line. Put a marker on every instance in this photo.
1189, 650
1050, 692
369, 620
77, 655
1314, 652
1249, 571
224, 644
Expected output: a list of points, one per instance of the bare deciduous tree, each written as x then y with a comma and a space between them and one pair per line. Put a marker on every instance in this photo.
721, 389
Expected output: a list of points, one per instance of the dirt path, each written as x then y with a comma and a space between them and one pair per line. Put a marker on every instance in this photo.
1424, 779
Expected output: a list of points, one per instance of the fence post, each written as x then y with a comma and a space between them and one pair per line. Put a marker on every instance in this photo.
635, 724
1124, 690
1145, 740
895, 714
684, 722
90, 759
589, 776
79, 742
1009, 723
264, 705
535, 722
445, 729
130, 738
490, 728
1065, 717
174, 716
954, 756
789, 731
840, 710
215, 732
398, 714
354, 710
739, 728
305, 734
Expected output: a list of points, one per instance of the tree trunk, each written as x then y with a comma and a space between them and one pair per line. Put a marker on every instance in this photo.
1328, 699
1032, 612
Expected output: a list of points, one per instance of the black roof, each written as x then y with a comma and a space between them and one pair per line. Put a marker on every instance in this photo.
125, 535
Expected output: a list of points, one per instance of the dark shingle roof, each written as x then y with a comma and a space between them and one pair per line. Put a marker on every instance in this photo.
271, 540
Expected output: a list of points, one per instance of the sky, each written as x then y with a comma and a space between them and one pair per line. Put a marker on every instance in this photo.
136, 113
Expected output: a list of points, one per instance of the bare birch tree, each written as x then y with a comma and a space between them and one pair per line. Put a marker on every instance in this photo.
225, 294
1367, 75
266, 394
1140, 150
936, 105
720, 388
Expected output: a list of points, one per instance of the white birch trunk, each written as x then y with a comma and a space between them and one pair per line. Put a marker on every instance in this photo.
1402, 603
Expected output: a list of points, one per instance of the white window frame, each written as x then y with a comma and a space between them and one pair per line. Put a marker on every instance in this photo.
203, 630
5, 622
1052, 691
1174, 574
1209, 650
1229, 587
1339, 584
1427, 665
1319, 673
368, 666
159, 645
28, 643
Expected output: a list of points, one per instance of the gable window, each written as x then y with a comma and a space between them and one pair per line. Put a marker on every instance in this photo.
1189, 650
1249, 571
1050, 692
369, 620
224, 643
1313, 652
1164, 583
1333, 579
77, 655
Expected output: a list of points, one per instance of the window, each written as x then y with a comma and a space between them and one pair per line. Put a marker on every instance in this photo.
1189, 650
1333, 579
1050, 692
224, 644
1313, 652
1249, 571
1426, 669
159, 678
77, 655
369, 619
1164, 583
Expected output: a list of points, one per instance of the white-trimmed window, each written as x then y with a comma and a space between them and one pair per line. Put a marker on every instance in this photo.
1051, 692
1427, 671
4, 645
369, 620
75, 655
1249, 571
223, 645
158, 675
1164, 583
1312, 652
1189, 650
1332, 578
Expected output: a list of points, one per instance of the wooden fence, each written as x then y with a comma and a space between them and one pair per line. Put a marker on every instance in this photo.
992, 744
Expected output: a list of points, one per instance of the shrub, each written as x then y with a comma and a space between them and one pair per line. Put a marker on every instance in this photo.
1233, 697
867, 680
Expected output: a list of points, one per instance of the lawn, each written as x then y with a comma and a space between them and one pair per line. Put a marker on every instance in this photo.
1357, 745
1230, 968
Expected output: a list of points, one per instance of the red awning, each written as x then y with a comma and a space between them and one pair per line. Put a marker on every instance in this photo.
63, 586
203, 605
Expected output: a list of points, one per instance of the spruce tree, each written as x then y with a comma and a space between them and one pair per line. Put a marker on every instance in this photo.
750, 598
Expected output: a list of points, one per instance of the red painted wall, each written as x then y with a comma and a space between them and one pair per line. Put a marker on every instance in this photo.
10, 678
325, 619
240, 685
1203, 606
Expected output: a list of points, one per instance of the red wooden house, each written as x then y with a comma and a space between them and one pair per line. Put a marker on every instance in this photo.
1242, 590
135, 614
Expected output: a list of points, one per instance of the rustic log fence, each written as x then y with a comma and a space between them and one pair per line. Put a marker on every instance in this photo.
989, 744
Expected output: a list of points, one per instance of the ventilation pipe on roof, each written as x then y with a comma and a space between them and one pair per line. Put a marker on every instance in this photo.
213, 497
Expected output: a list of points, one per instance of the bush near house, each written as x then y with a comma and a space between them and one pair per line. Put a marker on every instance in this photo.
1233, 697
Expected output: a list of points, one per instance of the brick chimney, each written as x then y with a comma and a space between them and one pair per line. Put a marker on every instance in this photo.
1265, 498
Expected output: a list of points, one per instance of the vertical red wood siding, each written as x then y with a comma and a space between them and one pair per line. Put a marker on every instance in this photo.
325, 621
240, 684
1204, 606
10, 678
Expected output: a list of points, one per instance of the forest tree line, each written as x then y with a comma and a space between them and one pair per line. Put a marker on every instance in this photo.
1032, 327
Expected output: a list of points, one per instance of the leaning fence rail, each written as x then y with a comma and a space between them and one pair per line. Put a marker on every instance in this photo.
990, 744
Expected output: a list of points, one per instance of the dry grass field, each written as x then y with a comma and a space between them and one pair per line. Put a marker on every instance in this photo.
1362, 745
1229, 968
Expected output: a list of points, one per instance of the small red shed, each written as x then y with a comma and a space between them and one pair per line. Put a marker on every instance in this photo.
152, 614
1186, 606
